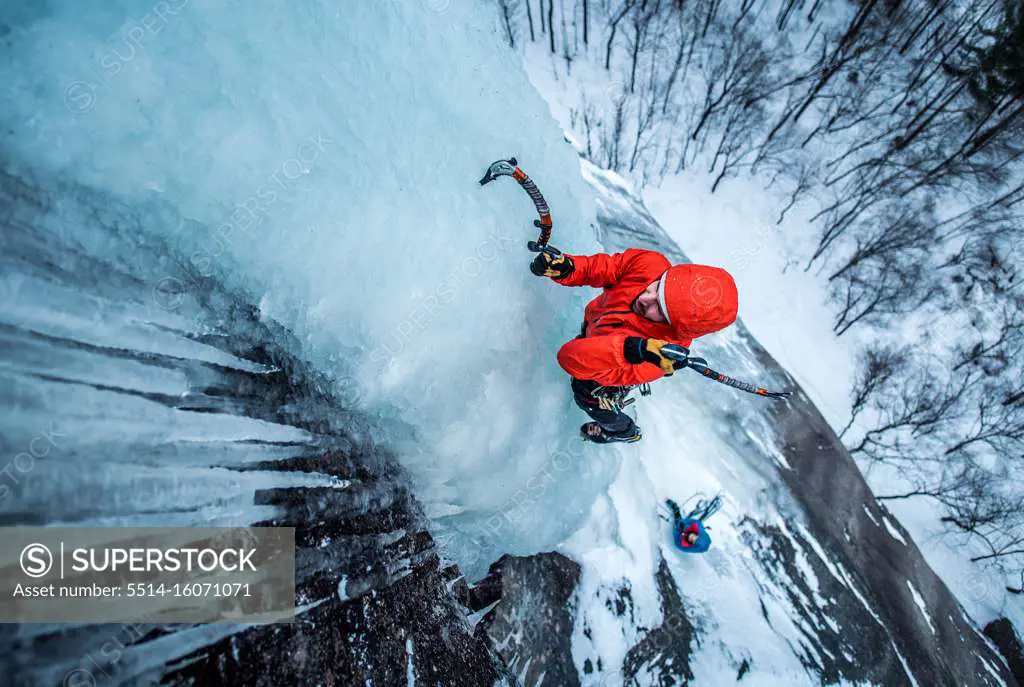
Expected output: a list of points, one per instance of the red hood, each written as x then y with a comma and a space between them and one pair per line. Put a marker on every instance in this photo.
698, 299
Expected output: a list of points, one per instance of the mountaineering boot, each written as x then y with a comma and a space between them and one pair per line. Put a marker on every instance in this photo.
592, 431
673, 508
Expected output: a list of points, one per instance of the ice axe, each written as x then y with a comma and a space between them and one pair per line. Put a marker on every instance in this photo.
680, 354
510, 168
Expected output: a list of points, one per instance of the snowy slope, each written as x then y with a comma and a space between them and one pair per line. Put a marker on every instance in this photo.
739, 226
789, 590
736, 227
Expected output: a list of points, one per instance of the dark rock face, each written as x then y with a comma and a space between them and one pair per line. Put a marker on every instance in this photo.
385, 612
663, 655
408, 628
856, 647
1004, 636
531, 625
846, 520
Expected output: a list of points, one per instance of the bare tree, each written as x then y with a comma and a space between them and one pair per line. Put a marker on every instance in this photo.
1020, 588
786, 11
906, 128
586, 22
613, 25
684, 46
877, 367
551, 25
507, 13
846, 50
879, 289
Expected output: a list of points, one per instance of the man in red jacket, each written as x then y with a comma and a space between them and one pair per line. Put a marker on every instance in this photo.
645, 304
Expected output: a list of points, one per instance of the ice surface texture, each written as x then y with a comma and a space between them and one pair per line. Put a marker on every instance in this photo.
323, 160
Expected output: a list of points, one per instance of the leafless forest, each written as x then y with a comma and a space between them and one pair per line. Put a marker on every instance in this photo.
902, 123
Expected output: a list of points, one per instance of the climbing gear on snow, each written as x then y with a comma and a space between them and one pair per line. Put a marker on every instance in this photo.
705, 509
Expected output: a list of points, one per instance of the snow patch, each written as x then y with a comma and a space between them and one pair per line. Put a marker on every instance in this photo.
919, 600
893, 532
410, 665
839, 572
903, 662
991, 670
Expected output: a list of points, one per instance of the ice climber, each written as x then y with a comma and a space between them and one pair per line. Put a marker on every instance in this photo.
645, 304
688, 533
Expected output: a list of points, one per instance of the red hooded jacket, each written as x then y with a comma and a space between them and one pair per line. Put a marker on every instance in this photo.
699, 300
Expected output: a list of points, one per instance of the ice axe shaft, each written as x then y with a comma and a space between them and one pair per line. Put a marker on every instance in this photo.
538, 248
681, 354
510, 167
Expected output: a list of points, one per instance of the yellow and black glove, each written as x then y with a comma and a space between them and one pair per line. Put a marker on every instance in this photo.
554, 266
668, 356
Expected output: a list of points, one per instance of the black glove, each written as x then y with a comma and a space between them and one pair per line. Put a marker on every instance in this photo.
554, 266
668, 356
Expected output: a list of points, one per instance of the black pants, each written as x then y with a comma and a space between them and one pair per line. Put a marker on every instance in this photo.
611, 421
